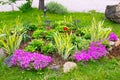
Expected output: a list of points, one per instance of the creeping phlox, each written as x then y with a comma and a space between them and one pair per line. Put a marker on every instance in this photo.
95, 51
28, 60
113, 37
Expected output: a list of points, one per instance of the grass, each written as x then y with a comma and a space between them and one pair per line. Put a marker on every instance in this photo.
32, 16
102, 69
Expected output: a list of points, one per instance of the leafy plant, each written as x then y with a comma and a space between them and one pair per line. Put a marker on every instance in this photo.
98, 32
30, 48
63, 44
11, 43
34, 45
54, 7
38, 34
49, 35
48, 48
25, 7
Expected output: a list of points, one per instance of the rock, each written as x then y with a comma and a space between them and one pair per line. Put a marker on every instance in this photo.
112, 43
2, 53
112, 12
69, 66
54, 67
117, 43
7, 61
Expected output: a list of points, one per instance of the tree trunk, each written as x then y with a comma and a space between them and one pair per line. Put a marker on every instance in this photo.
41, 4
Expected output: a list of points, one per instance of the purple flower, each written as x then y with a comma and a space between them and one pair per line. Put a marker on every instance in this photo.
95, 51
30, 60
113, 37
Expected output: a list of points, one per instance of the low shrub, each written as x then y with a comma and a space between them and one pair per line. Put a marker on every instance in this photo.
27, 60
38, 34
57, 8
25, 7
48, 48
34, 45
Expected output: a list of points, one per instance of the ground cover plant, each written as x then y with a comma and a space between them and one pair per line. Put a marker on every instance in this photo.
68, 36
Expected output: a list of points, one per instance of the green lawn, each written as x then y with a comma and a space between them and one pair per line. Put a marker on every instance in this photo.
103, 69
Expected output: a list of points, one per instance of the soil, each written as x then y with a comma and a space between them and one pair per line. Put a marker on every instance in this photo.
115, 52
57, 60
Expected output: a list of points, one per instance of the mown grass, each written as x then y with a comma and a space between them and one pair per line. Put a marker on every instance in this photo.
103, 69
32, 16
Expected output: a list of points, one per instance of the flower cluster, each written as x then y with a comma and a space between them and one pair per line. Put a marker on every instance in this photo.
65, 28
95, 51
113, 37
28, 60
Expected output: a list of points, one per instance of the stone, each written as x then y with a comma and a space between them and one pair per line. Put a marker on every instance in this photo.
7, 61
117, 43
54, 67
112, 43
69, 66
2, 53
112, 13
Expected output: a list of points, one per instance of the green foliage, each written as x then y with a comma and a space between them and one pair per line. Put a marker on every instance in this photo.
57, 8
9, 42
63, 44
80, 43
34, 45
29, 27
98, 32
83, 44
84, 32
25, 7
48, 48
30, 48
49, 35
38, 34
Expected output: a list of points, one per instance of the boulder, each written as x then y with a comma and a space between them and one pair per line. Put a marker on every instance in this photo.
112, 13
69, 66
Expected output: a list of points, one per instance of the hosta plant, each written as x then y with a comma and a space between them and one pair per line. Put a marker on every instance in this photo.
63, 44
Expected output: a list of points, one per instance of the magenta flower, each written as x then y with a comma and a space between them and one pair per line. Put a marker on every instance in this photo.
95, 51
30, 60
113, 37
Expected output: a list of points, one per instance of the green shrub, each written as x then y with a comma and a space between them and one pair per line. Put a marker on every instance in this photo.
80, 43
48, 48
34, 45
83, 44
49, 35
57, 8
25, 7
38, 34
30, 48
